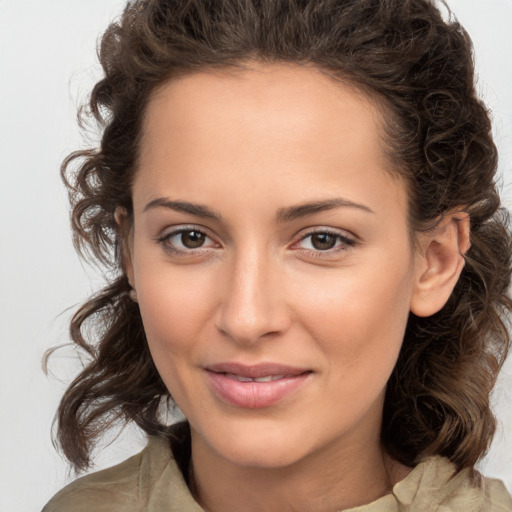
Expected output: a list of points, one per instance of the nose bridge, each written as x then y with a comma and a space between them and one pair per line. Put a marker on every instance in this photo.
252, 305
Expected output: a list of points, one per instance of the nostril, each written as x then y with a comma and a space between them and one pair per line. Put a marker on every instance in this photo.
252, 306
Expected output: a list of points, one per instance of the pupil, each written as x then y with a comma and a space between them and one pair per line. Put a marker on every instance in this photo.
192, 239
323, 241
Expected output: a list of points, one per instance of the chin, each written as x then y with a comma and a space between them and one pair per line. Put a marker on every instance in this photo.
261, 453
262, 443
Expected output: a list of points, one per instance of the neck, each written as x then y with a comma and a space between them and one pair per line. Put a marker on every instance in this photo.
333, 479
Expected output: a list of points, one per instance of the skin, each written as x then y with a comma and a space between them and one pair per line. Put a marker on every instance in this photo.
247, 145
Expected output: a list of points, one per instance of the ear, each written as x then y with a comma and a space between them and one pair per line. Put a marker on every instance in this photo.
125, 229
439, 262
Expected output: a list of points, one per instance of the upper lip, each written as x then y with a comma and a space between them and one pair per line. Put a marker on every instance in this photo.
257, 370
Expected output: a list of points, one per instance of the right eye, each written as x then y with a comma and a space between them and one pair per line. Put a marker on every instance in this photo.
186, 240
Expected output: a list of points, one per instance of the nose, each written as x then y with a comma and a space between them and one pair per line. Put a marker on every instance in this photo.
253, 305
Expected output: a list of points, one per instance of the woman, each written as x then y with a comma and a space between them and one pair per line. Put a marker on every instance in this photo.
297, 202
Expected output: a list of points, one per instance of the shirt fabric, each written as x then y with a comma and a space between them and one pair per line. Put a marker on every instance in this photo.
153, 481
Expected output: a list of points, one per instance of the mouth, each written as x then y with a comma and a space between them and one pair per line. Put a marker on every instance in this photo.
268, 371
266, 378
256, 386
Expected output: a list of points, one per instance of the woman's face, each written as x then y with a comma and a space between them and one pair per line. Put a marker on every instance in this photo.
271, 260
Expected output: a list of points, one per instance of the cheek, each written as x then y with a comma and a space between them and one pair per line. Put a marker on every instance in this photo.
359, 320
175, 305
175, 308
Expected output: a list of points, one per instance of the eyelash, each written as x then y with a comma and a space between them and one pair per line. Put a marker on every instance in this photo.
164, 241
346, 242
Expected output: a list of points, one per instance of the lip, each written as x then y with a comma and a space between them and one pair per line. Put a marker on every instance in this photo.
223, 381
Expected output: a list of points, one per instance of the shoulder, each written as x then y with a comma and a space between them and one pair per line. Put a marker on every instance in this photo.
497, 498
435, 485
126, 486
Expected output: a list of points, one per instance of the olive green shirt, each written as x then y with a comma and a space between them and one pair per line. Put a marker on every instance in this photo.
153, 481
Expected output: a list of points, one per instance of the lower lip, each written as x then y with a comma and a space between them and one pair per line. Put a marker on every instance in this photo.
254, 395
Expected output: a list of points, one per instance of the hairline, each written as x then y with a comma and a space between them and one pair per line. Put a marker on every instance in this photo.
386, 115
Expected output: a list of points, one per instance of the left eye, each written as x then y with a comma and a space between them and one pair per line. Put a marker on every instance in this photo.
325, 241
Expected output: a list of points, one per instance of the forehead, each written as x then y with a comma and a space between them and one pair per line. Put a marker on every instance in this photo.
259, 93
293, 123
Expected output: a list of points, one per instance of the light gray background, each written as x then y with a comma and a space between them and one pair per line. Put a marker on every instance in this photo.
47, 66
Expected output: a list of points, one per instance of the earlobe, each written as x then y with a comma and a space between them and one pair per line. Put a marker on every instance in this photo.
439, 263
124, 226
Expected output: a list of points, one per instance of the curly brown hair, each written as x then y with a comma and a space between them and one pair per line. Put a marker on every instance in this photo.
438, 132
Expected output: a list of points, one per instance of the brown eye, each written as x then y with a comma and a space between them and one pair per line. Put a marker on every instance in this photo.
323, 241
192, 239
187, 241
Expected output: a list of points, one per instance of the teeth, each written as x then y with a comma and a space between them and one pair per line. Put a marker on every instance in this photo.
267, 378
238, 377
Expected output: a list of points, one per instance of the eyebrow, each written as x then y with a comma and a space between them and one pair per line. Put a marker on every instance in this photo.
302, 210
198, 210
283, 214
